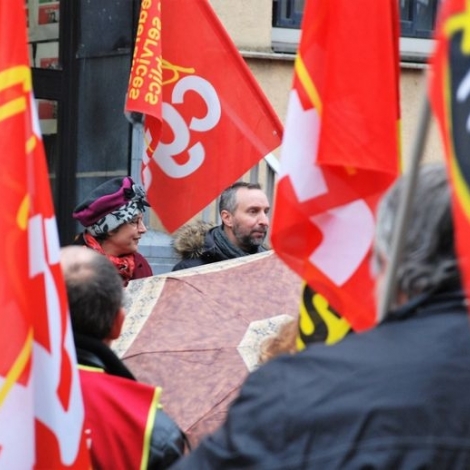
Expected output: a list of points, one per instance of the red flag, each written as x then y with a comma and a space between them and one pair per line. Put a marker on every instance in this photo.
450, 99
207, 120
41, 410
340, 149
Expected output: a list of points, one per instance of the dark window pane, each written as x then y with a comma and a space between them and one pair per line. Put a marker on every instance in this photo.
417, 17
47, 113
288, 13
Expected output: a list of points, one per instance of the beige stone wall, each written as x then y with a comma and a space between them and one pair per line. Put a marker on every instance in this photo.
412, 93
248, 22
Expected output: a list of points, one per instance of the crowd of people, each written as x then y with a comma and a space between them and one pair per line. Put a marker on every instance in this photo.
389, 398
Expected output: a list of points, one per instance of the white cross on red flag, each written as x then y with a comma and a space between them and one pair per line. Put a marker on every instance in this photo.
340, 150
41, 409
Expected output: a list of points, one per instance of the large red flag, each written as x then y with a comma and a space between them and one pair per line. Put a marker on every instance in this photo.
207, 120
450, 99
340, 149
41, 410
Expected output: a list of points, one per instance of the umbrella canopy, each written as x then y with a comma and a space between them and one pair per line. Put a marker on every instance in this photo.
196, 332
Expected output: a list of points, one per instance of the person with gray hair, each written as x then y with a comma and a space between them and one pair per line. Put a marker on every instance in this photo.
243, 209
428, 261
125, 424
391, 398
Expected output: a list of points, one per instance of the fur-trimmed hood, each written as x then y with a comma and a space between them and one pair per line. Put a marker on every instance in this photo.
188, 241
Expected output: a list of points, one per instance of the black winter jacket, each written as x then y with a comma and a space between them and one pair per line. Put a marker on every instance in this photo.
395, 397
196, 246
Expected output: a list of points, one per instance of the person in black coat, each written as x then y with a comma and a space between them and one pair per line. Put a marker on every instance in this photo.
125, 423
394, 397
243, 209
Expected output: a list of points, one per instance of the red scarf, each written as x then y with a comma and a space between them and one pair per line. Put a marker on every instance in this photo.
124, 264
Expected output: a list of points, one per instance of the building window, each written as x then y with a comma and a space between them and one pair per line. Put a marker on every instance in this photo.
417, 21
288, 13
418, 18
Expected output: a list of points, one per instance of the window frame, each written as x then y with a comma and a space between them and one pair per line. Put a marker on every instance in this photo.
285, 39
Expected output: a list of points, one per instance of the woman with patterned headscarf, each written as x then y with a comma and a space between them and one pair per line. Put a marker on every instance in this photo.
112, 215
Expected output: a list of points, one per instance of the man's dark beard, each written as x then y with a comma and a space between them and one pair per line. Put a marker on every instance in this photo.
249, 243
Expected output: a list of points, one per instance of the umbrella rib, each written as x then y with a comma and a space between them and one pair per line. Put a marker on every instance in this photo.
216, 404
186, 283
170, 351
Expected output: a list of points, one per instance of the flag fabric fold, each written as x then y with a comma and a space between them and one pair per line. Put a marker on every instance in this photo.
340, 150
449, 91
207, 121
41, 409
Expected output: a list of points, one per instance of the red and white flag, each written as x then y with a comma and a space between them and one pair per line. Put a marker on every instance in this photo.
450, 100
41, 409
207, 121
340, 150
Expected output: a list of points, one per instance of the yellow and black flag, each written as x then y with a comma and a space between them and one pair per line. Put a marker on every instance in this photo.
450, 100
318, 321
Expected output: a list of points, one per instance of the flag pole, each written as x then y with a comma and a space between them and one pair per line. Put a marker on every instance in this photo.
398, 239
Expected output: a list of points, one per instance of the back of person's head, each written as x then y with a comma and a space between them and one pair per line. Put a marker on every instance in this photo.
228, 199
94, 290
428, 261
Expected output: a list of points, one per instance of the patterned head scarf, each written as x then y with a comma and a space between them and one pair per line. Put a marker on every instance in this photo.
110, 205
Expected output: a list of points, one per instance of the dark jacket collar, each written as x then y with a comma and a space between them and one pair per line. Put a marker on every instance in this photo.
434, 301
94, 353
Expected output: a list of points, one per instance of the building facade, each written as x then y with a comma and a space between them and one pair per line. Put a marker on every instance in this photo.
81, 56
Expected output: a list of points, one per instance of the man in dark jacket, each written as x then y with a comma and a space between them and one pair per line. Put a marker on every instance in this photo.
243, 209
392, 398
125, 424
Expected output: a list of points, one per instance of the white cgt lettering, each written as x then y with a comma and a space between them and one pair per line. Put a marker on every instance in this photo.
165, 152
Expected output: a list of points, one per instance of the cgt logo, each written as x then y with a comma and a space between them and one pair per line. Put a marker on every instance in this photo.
182, 122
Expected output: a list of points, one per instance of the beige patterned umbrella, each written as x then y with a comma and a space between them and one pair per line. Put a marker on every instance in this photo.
197, 332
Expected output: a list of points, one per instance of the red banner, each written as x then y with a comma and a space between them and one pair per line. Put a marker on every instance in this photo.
340, 150
211, 123
145, 94
41, 409
450, 100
